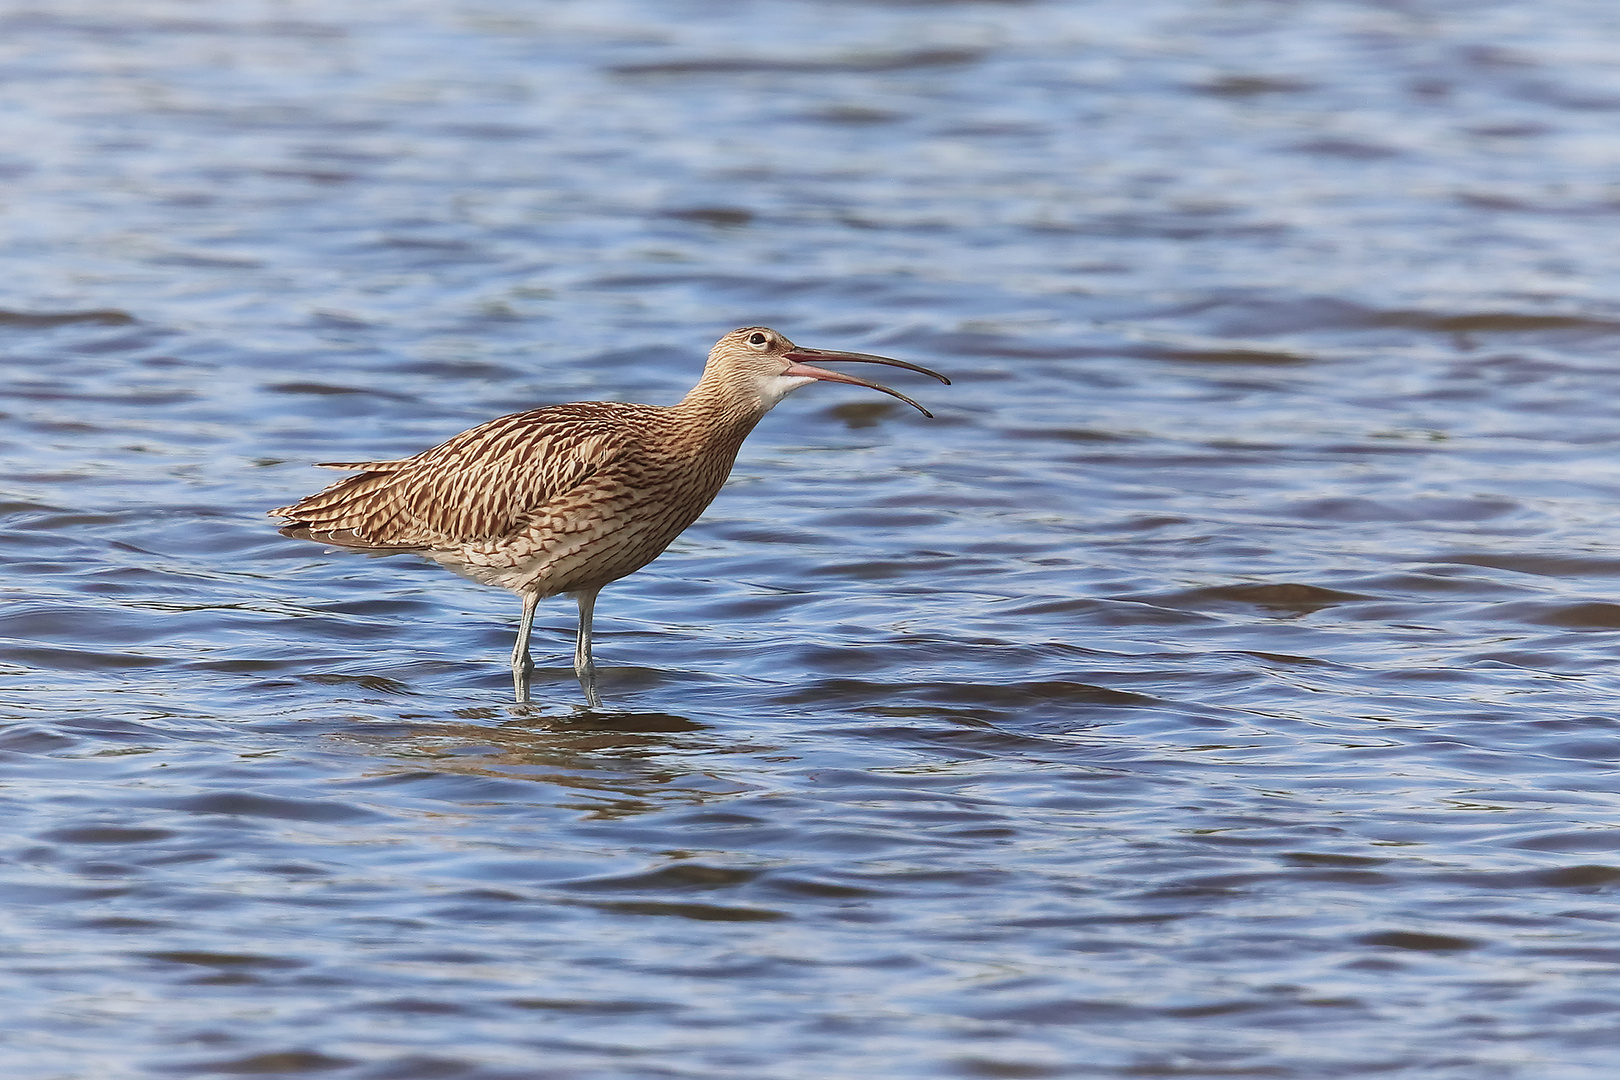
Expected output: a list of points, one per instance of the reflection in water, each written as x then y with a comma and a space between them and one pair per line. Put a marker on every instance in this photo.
626, 761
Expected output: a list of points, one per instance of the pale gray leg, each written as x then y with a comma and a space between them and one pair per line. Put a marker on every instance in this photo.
584, 665
521, 664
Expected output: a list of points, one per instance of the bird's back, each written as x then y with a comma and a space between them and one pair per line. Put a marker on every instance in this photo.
552, 499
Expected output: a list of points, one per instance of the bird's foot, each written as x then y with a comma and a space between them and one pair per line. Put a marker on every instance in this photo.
587, 683
520, 682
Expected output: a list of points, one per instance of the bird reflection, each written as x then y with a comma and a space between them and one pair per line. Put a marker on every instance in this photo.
613, 766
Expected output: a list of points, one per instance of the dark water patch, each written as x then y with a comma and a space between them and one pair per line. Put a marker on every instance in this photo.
67, 521
122, 925
133, 400
698, 912
1588, 877
1347, 149
878, 517
77, 659
723, 216
1555, 566
1578, 877
681, 877
189, 258
42, 319
141, 23
318, 389
314, 176
1415, 509
1421, 942
953, 3
920, 59
1284, 658
1190, 226
966, 697
854, 114
1263, 357
380, 608
1580, 615
1509, 129
1249, 317
1277, 596
588, 1007
1334, 859
1504, 322
417, 1007
14, 507
1079, 435
1545, 202
1567, 97
491, 130
1067, 1011
441, 247
858, 415
632, 722
1249, 85
270, 1063
224, 960
1021, 695
461, 369
1107, 612
106, 834
1441, 581
1593, 840
82, 624
1491, 201
981, 344
973, 737
245, 804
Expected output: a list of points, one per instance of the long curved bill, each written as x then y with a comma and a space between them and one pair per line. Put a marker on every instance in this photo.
796, 366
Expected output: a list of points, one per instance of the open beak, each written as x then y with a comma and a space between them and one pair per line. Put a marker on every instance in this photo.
796, 366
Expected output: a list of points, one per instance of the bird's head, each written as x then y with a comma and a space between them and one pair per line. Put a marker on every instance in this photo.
762, 362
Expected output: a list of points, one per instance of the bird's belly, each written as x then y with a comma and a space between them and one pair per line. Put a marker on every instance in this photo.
562, 552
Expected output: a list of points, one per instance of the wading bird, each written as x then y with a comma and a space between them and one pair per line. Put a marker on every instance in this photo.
567, 498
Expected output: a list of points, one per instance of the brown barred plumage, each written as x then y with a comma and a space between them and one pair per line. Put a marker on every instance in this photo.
567, 498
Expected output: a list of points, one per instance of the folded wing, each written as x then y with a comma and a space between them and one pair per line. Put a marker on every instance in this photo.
480, 485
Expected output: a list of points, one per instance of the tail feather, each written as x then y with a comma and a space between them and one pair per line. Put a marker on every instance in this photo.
344, 538
350, 514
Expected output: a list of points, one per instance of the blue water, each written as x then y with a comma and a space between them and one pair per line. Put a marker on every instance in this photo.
1224, 685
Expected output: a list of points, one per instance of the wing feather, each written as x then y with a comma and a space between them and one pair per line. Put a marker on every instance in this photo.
477, 486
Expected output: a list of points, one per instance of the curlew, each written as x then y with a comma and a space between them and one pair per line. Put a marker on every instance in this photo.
568, 498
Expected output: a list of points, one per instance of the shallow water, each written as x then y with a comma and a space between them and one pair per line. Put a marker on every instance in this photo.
1224, 685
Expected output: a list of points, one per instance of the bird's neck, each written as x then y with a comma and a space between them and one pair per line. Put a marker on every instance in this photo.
720, 411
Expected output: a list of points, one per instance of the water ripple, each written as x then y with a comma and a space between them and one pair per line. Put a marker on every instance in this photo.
1222, 685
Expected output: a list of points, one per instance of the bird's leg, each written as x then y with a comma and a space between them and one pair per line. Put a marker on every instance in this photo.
521, 664
584, 665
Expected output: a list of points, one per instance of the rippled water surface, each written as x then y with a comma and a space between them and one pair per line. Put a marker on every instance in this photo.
1224, 685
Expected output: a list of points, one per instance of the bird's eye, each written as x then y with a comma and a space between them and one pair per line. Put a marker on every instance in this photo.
756, 339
